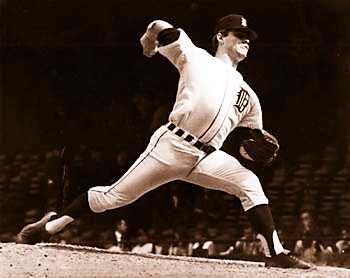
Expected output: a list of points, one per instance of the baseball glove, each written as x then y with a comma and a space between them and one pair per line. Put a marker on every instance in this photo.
259, 146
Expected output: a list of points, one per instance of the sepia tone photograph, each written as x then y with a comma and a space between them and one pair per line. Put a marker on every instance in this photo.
174, 138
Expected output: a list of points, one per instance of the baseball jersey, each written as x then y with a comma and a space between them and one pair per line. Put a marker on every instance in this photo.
212, 97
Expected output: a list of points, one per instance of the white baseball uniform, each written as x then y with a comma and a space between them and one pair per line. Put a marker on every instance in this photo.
212, 99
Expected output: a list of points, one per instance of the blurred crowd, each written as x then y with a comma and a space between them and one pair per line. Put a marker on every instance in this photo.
177, 219
307, 241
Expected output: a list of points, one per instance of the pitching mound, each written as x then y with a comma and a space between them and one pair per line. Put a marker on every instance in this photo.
53, 260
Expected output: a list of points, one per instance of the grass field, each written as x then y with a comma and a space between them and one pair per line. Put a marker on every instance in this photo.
54, 260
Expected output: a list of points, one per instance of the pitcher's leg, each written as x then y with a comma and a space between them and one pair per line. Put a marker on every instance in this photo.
146, 174
221, 171
156, 166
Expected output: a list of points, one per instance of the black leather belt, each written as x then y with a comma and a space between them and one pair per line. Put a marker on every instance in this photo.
189, 138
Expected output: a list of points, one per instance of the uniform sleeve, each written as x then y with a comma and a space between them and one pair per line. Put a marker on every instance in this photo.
253, 118
178, 51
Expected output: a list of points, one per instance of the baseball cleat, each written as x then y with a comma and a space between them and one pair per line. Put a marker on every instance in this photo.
35, 232
287, 261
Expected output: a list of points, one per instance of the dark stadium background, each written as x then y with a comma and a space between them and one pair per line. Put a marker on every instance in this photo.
71, 69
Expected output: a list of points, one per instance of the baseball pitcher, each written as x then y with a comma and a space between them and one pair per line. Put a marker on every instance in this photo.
212, 100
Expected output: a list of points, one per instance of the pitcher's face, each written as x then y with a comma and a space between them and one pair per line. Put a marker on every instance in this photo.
236, 45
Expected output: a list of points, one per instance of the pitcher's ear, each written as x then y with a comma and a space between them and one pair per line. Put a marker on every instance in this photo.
220, 38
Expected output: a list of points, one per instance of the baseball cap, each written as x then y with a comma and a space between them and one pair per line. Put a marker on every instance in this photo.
234, 22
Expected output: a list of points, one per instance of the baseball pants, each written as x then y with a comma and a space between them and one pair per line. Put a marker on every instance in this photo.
169, 157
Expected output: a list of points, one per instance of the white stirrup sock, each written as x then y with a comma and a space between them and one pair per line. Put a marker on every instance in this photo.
278, 248
276, 243
56, 225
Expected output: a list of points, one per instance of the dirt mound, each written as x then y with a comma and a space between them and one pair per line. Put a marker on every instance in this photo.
53, 260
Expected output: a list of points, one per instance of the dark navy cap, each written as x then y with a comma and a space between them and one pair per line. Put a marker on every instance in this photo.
234, 22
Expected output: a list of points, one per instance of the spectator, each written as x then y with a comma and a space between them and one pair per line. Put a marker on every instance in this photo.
248, 245
225, 245
154, 239
180, 249
307, 246
327, 246
199, 247
343, 245
120, 236
343, 249
144, 245
167, 241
